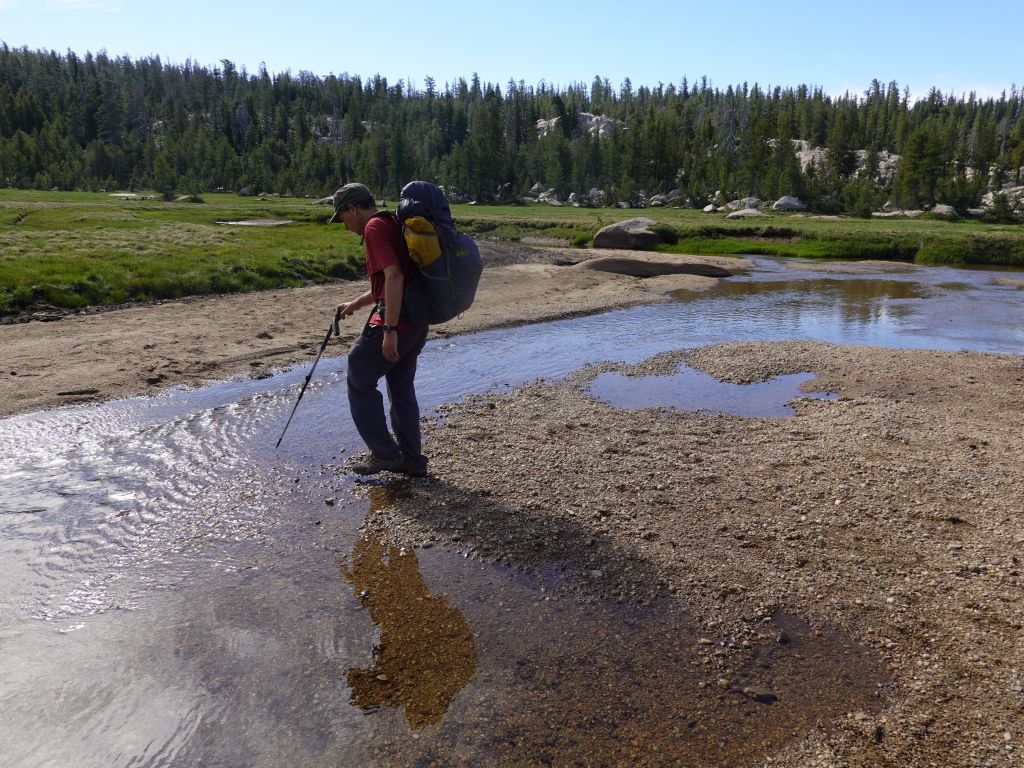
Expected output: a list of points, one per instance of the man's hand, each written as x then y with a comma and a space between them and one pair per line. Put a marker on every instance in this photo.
346, 309
389, 347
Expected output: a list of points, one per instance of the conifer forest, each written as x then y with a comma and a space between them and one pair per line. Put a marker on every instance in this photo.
95, 122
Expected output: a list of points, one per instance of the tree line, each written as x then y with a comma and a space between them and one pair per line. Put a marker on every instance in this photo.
100, 122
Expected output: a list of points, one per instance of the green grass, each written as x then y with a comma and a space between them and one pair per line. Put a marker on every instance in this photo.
74, 249
797, 235
78, 249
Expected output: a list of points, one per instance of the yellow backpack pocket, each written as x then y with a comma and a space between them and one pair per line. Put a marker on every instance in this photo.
422, 241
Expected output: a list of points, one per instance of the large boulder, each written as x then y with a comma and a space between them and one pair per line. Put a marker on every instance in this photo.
947, 212
743, 203
550, 197
633, 234
1014, 196
598, 125
789, 203
747, 213
251, 192
710, 208
897, 214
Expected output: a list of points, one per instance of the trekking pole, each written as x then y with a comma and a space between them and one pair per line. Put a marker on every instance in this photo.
334, 330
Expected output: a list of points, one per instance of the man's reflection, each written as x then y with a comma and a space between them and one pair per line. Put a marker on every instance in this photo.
426, 653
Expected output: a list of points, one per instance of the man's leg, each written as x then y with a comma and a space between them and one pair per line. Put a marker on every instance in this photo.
405, 410
366, 364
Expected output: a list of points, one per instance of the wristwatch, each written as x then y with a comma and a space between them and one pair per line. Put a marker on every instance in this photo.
387, 327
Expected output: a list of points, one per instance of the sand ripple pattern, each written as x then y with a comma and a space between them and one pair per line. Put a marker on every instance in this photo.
89, 493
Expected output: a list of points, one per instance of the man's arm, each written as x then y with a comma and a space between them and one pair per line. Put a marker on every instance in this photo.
349, 307
394, 283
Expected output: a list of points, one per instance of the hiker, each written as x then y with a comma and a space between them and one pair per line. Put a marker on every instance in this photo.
388, 345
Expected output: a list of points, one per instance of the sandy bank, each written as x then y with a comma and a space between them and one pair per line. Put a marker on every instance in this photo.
138, 350
895, 512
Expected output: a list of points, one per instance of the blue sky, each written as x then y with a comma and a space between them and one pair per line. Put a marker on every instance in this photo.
950, 45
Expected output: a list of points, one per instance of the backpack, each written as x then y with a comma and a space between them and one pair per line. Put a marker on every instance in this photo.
449, 261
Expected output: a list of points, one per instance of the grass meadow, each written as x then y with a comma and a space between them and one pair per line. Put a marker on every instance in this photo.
76, 249
798, 235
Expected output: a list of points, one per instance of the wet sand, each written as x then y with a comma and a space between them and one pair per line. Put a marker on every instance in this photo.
140, 350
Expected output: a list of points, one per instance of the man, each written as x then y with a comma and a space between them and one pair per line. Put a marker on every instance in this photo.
389, 344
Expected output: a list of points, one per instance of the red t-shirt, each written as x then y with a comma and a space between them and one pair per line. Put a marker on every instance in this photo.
385, 246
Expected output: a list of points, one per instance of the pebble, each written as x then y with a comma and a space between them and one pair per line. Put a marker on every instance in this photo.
834, 519
761, 697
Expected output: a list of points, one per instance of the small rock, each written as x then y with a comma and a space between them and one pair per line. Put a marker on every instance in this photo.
596, 574
782, 638
330, 501
761, 697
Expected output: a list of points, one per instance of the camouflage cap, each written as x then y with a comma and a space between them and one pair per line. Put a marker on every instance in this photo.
356, 193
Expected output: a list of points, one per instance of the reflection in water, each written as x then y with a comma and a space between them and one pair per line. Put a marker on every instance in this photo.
846, 302
426, 653
691, 390
854, 293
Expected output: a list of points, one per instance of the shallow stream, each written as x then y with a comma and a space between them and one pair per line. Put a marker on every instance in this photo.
174, 591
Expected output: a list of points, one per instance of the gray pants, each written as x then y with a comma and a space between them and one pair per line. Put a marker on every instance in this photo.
366, 365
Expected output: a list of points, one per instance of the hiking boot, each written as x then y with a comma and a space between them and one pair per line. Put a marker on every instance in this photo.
413, 470
372, 464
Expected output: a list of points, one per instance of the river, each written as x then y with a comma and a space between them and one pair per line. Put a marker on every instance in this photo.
177, 592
